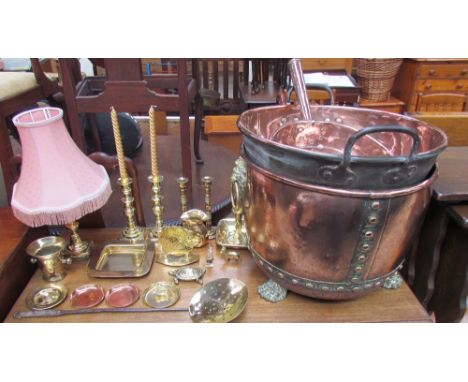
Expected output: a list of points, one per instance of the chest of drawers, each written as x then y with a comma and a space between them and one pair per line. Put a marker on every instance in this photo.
433, 85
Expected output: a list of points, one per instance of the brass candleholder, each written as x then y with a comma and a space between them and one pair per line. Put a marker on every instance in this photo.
158, 207
207, 182
78, 249
183, 192
132, 231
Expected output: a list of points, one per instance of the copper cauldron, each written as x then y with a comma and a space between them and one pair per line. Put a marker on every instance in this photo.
327, 242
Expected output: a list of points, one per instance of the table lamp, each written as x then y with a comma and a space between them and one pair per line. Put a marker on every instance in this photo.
58, 184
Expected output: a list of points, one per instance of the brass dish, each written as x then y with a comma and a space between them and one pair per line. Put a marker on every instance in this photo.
221, 300
87, 296
161, 294
188, 274
227, 234
174, 247
47, 297
122, 258
122, 295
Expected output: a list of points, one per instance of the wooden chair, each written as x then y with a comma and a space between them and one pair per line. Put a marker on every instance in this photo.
19, 90
128, 90
455, 125
441, 102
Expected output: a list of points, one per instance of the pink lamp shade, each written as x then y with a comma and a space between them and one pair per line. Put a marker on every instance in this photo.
58, 183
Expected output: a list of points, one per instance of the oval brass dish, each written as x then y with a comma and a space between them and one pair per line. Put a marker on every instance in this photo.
87, 296
122, 295
47, 297
188, 274
161, 294
221, 300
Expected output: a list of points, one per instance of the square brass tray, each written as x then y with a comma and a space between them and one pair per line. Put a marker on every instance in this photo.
121, 258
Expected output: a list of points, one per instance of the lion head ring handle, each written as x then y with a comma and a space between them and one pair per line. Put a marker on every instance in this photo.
342, 174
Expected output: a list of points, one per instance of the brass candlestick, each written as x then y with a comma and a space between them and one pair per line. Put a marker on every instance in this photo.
155, 179
207, 182
132, 231
183, 192
158, 207
78, 249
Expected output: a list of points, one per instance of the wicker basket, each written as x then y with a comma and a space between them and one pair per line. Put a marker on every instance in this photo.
376, 76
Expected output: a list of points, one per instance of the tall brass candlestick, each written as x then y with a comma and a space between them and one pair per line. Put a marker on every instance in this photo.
207, 182
153, 143
118, 144
155, 179
132, 231
183, 192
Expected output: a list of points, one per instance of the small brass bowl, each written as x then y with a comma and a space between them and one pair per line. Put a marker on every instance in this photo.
161, 294
221, 300
47, 297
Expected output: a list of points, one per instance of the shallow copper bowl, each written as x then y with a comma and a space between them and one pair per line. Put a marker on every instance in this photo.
87, 296
122, 295
220, 300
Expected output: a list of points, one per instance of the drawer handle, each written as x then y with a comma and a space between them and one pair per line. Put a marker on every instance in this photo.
432, 72
459, 86
464, 72
428, 86
322, 62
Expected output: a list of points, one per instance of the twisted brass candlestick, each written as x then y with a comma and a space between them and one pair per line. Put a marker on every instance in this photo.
132, 231
207, 182
158, 207
183, 192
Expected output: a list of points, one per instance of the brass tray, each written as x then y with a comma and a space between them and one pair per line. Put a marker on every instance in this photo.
227, 236
161, 294
122, 258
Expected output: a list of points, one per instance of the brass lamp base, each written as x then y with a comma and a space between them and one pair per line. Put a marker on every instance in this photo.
78, 249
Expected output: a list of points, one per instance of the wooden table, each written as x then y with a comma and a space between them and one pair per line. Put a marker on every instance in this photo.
441, 263
15, 267
398, 305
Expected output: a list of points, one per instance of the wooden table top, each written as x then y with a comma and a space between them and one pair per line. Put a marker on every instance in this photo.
11, 232
452, 184
398, 305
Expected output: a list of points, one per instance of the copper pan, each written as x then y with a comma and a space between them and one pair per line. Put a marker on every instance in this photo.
330, 243
344, 147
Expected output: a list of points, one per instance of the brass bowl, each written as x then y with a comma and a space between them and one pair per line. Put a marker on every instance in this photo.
161, 294
47, 297
220, 300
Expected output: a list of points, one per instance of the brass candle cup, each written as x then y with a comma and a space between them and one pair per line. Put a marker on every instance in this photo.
47, 253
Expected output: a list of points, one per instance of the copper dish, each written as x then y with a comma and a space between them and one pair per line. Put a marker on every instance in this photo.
87, 296
122, 295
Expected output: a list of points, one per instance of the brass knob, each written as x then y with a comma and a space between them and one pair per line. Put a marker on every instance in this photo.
428, 86
432, 72
464, 72
322, 62
459, 86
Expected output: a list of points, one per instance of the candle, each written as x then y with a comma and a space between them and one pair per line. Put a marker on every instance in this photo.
118, 145
153, 143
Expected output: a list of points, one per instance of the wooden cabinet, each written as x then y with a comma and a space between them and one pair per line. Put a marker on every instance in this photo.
326, 64
433, 85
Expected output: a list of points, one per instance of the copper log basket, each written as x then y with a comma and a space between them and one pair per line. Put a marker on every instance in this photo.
326, 242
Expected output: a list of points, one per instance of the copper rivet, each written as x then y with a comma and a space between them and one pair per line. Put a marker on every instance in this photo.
325, 288
294, 281
355, 279
280, 275
361, 258
358, 268
375, 205
270, 269
356, 289
369, 234
340, 289
365, 246
373, 219
309, 285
